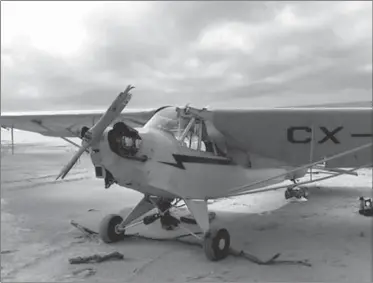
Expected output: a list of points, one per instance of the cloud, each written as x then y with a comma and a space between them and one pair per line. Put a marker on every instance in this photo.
79, 55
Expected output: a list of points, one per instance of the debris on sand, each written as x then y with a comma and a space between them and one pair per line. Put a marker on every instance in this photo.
87, 233
92, 209
236, 253
85, 272
78, 274
273, 260
8, 252
96, 258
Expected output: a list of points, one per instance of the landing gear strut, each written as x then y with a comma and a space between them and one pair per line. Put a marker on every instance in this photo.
113, 227
167, 220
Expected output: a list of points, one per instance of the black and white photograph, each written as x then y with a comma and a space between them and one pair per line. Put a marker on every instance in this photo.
186, 141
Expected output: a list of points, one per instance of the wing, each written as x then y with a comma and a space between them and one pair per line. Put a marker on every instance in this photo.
63, 124
298, 136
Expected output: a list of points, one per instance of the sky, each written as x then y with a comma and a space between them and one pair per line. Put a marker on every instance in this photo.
80, 55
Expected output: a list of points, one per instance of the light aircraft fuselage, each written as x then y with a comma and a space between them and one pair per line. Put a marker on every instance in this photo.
174, 169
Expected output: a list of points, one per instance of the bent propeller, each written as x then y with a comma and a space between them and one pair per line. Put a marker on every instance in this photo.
94, 133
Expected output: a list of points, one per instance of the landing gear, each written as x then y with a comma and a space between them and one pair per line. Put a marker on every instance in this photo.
294, 191
109, 231
168, 222
112, 227
366, 206
288, 193
216, 244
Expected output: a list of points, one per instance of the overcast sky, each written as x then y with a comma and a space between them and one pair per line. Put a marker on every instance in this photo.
79, 55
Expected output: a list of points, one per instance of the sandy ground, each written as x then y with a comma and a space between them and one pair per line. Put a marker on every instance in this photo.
37, 239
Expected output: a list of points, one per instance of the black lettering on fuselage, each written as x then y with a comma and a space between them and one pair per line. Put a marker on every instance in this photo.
293, 139
328, 134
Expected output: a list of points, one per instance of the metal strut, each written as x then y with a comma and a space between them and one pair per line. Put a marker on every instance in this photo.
200, 132
191, 123
348, 172
12, 138
245, 187
196, 120
312, 149
335, 170
50, 130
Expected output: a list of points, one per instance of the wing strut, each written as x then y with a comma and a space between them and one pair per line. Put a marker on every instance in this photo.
343, 172
245, 187
12, 138
312, 149
39, 123
336, 170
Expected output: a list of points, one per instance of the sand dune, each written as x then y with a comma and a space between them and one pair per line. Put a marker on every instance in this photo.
37, 239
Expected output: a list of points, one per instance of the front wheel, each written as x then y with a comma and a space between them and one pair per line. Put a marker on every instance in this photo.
216, 244
109, 229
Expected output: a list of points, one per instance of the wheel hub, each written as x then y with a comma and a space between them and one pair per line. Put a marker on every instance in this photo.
221, 244
117, 229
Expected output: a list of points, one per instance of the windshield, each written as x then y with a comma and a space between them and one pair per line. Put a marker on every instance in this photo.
167, 120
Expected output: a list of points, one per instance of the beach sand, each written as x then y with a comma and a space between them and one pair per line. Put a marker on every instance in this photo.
37, 239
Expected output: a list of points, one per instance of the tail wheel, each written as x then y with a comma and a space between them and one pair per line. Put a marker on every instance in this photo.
109, 229
216, 244
288, 194
305, 192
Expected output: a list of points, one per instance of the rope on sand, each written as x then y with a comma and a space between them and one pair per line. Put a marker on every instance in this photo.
236, 253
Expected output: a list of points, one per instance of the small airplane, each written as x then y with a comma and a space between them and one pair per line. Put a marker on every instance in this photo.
196, 155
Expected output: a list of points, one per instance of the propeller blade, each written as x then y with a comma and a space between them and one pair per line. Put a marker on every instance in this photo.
72, 162
94, 134
110, 115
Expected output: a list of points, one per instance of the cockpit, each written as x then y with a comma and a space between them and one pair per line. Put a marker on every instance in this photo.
191, 133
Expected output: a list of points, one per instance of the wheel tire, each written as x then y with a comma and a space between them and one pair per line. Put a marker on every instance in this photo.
305, 192
108, 231
288, 194
188, 220
211, 244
